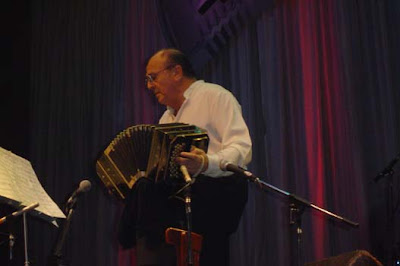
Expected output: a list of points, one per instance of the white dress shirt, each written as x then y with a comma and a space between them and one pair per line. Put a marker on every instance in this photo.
215, 109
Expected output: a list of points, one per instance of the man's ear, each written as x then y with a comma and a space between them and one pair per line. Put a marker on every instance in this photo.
177, 71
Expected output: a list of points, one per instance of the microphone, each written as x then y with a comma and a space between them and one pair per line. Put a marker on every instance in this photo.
16, 213
84, 186
185, 173
388, 169
230, 167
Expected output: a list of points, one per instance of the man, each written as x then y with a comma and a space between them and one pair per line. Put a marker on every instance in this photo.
218, 197
172, 80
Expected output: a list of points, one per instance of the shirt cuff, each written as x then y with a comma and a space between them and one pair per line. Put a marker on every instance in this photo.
214, 169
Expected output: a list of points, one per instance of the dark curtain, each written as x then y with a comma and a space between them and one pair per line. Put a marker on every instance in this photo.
87, 85
318, 86
319, 89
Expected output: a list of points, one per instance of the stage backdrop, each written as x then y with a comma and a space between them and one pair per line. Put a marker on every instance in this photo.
319, 89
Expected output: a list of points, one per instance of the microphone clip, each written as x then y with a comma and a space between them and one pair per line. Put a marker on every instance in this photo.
84, 186
388, 171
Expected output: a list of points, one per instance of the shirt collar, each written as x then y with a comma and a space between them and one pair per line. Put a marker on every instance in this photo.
191, 88
186, 94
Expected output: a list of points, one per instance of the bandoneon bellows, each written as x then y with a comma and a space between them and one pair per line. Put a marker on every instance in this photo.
147, 151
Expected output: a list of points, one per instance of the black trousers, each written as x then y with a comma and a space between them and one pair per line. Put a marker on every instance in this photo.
152, 254
217, 205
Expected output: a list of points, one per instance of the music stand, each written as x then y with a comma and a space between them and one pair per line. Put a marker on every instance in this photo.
19, 186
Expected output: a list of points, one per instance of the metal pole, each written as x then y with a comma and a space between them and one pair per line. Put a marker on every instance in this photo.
26, 240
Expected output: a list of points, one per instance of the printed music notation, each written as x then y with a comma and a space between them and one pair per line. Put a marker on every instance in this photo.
19, 186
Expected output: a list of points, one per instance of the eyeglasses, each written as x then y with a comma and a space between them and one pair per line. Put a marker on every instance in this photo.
153, 76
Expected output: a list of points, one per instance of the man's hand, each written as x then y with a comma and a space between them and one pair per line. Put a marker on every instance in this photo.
196, 161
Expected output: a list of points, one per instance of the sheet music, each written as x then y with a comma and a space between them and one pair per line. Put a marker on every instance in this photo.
6, 184
19, 183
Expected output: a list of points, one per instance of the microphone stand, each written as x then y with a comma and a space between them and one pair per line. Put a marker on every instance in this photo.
188, 211
187, 191
297, 207
56, 259
390, 254
61, 240
392, 257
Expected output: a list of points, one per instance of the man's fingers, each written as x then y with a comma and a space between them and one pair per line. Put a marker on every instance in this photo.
190, 155
181, 160
196, 150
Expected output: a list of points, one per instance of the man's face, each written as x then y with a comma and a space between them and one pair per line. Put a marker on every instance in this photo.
160, 80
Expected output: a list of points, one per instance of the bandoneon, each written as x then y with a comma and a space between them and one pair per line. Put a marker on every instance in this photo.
147, 151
